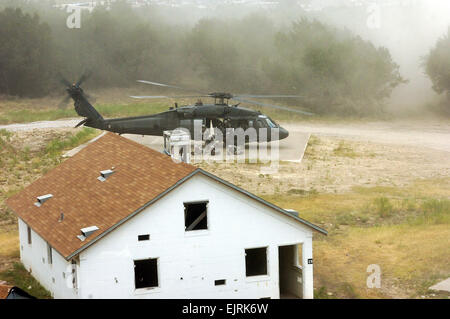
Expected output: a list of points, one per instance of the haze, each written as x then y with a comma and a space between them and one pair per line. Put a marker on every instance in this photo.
245, 33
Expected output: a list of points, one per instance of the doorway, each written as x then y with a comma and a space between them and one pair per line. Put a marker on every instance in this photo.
290, 272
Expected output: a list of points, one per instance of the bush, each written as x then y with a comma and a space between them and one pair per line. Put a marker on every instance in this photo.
383, 207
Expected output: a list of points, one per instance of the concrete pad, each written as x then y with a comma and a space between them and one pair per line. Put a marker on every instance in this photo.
291, 148
154, 142
442, 286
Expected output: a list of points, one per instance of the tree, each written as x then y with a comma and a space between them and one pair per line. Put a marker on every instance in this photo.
437, 65
339, 72
25, 54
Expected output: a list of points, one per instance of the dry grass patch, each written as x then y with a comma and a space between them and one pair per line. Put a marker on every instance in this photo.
368, 205
9, 243
344, 150
403, 230
410, 258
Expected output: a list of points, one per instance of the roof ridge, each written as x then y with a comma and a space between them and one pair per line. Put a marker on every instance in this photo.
75, 188
261, 200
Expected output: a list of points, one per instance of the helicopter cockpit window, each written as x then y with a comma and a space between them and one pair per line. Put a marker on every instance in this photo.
271, 124
260, 124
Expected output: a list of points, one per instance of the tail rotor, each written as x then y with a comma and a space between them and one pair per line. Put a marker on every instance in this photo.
81, 101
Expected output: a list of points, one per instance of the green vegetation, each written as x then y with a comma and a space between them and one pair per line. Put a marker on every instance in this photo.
344, 150
19, 167
133, 109
18, 276
24, 116
322, 293
57, 145
297, 191
406, 231
336, 71
311, 148
433, 211
25, 65
383, 207
107, 110
420, 204
437, 67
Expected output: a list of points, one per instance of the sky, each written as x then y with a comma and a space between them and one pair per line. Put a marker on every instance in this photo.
408, 28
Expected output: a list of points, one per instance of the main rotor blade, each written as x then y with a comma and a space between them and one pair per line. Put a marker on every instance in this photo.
272, 106
165, 97
63, 80
83, 78
262, 96
168, 85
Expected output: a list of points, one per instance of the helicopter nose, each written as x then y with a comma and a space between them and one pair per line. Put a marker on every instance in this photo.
283, 133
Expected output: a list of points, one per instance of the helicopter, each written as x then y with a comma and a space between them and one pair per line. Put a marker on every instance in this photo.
220, 115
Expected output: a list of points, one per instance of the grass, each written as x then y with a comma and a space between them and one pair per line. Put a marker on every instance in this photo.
18, 276
433, 212
57, 145
383, 207
322, 293
25, 116
344, 150
10, 244
408, 255
27, 110
106, 110
370, 205
311, 147
302, 192
403, 230
134, 109
19, 167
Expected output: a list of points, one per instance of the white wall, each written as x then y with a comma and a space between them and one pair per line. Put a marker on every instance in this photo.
34, 258
235, 222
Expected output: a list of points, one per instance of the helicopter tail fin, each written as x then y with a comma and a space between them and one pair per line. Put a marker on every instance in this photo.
85, 109
92, 117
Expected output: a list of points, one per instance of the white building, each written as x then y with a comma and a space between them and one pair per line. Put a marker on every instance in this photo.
146, 227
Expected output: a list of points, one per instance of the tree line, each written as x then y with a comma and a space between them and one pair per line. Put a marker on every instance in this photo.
332, 69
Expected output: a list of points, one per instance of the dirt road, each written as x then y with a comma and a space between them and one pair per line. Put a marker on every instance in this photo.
435, 135
429, 134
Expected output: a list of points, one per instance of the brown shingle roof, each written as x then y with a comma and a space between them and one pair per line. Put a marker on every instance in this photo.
140, 175
4, 291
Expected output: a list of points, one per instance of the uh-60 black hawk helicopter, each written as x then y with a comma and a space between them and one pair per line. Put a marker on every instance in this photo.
220, 114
